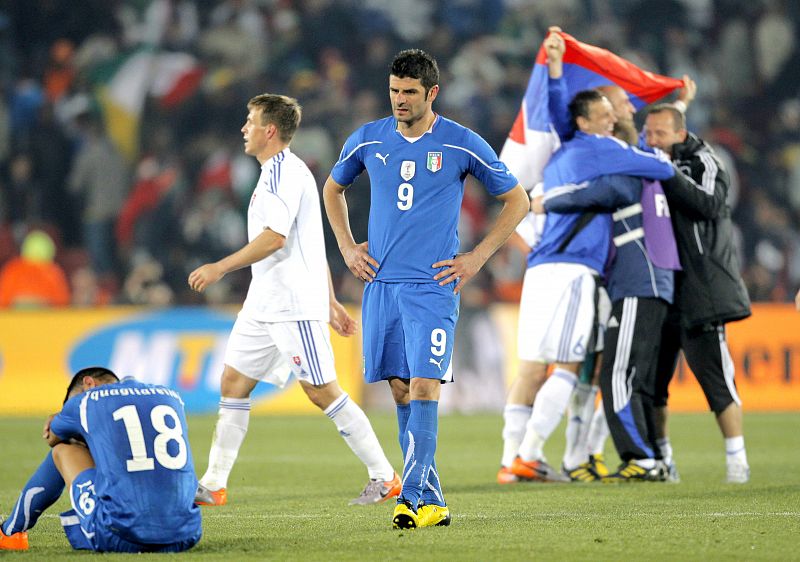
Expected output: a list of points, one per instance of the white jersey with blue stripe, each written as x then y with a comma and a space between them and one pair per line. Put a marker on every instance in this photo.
292, 283
416, 190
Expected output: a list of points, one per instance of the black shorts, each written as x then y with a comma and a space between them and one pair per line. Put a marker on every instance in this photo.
707, 354
627, 376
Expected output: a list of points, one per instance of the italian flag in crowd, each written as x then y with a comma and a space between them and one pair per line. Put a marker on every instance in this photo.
123, 85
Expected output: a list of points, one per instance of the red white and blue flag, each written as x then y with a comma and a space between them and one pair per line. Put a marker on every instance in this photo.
532, 138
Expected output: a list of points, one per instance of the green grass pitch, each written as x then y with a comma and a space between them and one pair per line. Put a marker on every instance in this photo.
288, 498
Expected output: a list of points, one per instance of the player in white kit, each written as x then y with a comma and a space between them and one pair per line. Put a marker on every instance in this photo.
283, 325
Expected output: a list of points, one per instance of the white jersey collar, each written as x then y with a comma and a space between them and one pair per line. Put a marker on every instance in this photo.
280, 156
415, 139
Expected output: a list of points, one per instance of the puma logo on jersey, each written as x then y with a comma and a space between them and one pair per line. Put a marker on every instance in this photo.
381, 157
435, 362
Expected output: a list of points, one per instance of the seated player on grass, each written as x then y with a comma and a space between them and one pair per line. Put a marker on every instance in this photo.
121, 449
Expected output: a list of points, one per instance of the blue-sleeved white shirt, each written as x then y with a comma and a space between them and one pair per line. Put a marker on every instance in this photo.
416, 191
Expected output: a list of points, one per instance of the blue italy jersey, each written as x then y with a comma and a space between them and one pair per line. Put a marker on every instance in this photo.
136, 433
416, 191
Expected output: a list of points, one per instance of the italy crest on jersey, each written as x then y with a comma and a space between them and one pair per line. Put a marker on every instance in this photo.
434, 161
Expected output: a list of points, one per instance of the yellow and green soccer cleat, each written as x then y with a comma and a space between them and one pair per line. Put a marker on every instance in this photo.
632, 472
584, 472
404, 516
430, 515
599, 465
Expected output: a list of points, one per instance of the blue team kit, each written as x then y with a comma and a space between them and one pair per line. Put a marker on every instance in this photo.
140, 495
415, 201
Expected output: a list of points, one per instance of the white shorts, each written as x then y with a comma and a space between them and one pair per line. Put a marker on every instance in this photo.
271, 351
557, 313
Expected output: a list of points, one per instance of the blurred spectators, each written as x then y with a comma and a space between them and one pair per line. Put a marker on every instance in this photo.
171, 189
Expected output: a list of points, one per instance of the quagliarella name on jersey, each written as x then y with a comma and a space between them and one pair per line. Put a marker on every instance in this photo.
98, 394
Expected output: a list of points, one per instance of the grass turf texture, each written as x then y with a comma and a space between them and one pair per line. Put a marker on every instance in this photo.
288, 498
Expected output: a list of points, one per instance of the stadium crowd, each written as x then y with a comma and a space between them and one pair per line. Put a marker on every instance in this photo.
129, 222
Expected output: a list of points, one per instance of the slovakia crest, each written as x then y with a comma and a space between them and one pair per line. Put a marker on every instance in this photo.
296, 360
407, 169
434, 161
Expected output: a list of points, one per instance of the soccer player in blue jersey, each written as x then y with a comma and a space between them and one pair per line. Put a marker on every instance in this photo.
417, 162
122, 450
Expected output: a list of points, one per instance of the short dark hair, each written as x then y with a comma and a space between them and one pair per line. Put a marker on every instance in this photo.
416, 63
678, 118
579, 106
97, 373
282, 111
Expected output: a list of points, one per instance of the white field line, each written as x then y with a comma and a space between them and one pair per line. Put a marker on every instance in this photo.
208, 514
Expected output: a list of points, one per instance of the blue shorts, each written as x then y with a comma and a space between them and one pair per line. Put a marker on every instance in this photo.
84, 527
409, 330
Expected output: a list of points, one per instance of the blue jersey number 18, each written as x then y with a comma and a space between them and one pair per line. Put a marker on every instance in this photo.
165, 434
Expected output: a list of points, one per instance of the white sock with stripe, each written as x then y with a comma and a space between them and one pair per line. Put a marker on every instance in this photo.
598, 431
548, 408
735, 452
665, 448
515, 417
357, 432
579, 418
234, 417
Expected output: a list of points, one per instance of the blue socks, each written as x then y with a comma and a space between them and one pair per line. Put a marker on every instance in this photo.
403, 413
40, 492
420, 477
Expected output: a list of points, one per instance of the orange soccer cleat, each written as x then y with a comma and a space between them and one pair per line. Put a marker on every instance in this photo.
537, 470
505, 476
17, 541
377, 491
204, 496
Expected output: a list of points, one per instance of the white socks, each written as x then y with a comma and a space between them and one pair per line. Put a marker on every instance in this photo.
598, 431
548, 408
354, 427
735, 452
579, 417
234, 415
515, 417
665, 447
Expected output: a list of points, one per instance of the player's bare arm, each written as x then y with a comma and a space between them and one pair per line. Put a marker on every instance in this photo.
464, 266
537, 205
356, 256
46, 429
265, 244
341, 322
51, 438
518, 242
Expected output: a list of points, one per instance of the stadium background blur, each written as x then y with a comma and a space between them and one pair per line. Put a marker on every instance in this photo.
119, 137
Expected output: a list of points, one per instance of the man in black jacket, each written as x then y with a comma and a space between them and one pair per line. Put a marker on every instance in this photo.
709, 292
